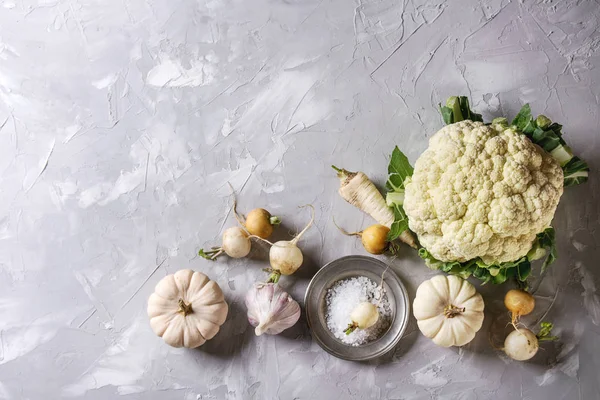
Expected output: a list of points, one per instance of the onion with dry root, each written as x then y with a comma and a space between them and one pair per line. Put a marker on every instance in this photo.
519, 303
285, 256
260, 222
374, 238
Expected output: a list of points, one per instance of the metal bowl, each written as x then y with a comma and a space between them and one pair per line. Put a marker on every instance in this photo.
348, 267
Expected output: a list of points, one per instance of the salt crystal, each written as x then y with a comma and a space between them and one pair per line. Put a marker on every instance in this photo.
340, 300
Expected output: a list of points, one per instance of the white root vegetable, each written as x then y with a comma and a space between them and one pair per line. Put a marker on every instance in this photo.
285, 256
363, 316
358, 190
236, 244
521, 344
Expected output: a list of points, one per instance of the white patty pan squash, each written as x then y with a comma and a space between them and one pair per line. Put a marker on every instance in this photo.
187, 309
448, 310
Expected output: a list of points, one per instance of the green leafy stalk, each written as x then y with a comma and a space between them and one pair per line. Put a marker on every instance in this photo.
500, 121
351, 328
576, 171
400, 223
547, 241
545, 331
275, 275
210, 254
457, 109
548, 135
399, 169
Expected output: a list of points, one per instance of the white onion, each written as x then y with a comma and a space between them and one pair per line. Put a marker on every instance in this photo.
364, 315
521, 344
236, 243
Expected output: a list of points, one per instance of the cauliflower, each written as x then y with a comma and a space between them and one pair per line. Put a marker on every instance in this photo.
482, 196
481, 191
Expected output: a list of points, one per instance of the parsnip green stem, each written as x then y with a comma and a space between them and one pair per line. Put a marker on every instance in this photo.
344, 174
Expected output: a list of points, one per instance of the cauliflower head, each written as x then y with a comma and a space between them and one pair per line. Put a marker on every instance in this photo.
481, 191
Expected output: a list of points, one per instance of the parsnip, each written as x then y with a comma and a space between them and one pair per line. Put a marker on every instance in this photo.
358, 190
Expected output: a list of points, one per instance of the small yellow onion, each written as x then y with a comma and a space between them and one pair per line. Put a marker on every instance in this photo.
260, 222
518, 302
374, 238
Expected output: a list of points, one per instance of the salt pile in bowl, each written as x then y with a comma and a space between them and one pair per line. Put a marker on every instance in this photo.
340, 300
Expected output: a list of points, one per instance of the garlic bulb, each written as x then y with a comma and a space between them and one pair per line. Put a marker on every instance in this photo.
270, 309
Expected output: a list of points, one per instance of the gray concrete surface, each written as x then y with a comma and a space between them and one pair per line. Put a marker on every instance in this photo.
123, 120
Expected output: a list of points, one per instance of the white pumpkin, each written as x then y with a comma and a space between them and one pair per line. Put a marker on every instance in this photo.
448, 310
187, 309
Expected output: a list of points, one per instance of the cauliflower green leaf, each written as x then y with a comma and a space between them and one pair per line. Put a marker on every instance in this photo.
399, 169
400, 223
498, 273
547, 242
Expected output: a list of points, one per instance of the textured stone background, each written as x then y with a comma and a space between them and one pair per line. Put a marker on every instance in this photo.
123, 120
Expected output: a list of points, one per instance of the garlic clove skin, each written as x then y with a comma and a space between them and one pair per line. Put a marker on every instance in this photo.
271, 310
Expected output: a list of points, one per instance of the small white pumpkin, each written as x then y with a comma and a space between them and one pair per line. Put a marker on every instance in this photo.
187, 309
448, 310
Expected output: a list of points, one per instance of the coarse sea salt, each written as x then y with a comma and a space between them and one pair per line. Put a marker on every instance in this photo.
340, 300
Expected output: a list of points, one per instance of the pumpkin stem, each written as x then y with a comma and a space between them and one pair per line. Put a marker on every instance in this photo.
184, 308
451, 311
